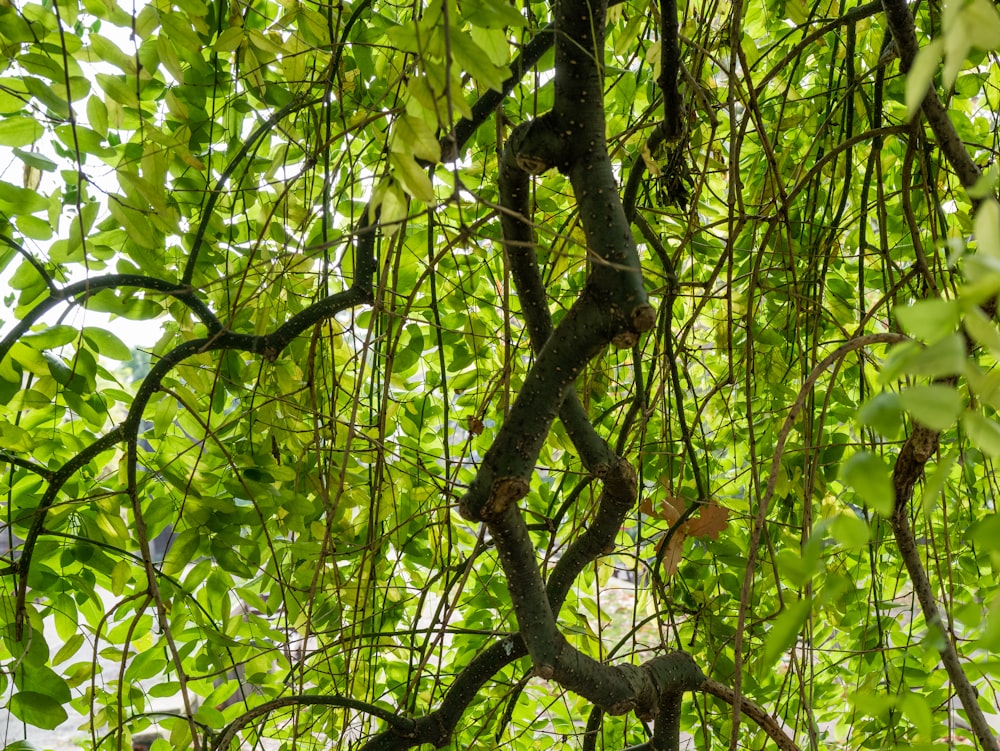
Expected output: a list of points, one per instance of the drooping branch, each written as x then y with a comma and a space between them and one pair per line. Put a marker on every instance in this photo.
764, 506
922, 442
918, 449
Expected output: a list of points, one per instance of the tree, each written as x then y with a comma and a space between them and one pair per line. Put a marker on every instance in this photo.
458, 312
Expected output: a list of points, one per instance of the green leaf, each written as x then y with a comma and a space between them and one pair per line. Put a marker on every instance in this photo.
982, 330
983, 432
986, 532
935, 483
106, 343
84, 139
69, 648
850, 531
884, 413
229, 39
470, 57
981, 24
935, 406
15, 199
15, 438
916, 708
413, 135
182, 551
37, 709
987, 228
921, 74
20, 131
784, 631
870, 478
42, 679
492, 14
47, 96
929, 319
412, 177
943, 358
393, 206
135, 224
51, 337
117, 89
35, 160
20, 746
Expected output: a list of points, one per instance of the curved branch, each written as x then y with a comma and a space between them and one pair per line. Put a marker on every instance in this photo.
88, 287
402, 725
268, 345
764, 721
35, 263
38, 469
292, 107
105, 443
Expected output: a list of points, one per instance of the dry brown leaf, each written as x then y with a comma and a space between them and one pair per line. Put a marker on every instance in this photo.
673, 507
712, 520
669, 509
672, 555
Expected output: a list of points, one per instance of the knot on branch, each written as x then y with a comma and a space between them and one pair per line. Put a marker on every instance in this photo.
621, 483
504, 492
658, 682
537, 147
641, 319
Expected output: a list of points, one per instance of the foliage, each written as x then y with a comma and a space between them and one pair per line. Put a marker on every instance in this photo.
300, 203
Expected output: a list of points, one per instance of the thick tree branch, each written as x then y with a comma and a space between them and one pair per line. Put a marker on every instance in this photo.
670, 65
613, 305
519, 244
510, 461
615, 501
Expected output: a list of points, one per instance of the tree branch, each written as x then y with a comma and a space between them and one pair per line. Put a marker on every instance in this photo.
402, 725
519, 244
900, 20
764, 721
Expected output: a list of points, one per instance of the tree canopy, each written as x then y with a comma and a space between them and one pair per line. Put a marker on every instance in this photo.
509, 375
